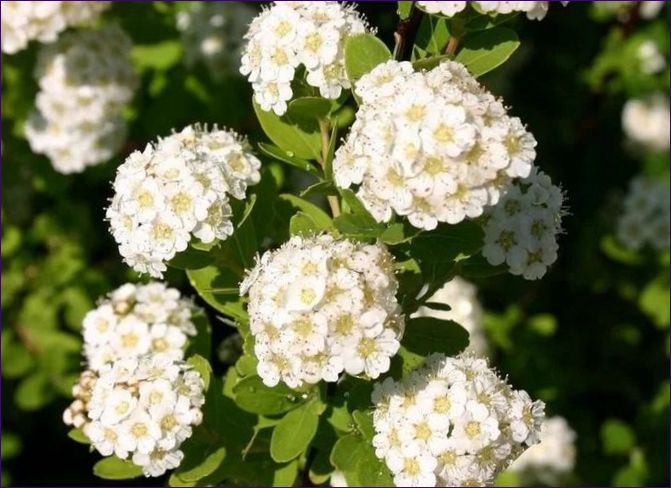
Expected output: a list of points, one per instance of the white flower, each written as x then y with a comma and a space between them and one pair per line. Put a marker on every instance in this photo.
447, 9
212, 35
177, 189
650, 57
534, 10
552, 458
432, 146
142, 409
291, 34
86, 78
465, 310
135, 320
521, 230
646, 121
645, 217
322, 305
24, 21
452, 422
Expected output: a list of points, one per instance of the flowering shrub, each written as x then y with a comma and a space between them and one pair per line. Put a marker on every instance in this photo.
356, 250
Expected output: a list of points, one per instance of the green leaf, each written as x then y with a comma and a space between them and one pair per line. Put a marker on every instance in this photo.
320, 218
159, 56
201, 343
446, 242
282, 155
302, 224
191, 258
321, 188
371, 471
293, 434
345, 453
358, 223
302, 141
253, 396
362, 53
78, 436
478, 267
309, 108
427, 64
113, 468
404, 9
426, 335
617, 437
34, 391
199, 461
200, 364
654, 301
286, 474
482, 52
218, 286
364, 422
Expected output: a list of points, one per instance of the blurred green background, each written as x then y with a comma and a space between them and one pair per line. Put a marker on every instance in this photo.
591, 339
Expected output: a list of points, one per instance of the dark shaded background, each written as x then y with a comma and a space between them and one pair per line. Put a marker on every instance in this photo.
577, 339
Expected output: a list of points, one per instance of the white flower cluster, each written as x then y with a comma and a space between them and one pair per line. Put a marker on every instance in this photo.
212, 35
24, 21
651, 58
321, 305
291, 34
646, 121
135, 320
432, 146
521, 231
141, 409
645, 220
452, 422
533, 10
176, 189
465, 310
86, 78
552, 458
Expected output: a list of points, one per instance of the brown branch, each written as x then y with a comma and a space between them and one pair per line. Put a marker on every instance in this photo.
405, 31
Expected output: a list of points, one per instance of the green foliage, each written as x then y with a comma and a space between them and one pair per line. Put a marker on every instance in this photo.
481, 52
595, 333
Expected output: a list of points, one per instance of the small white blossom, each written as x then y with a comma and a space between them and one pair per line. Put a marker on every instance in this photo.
431, 146
175, 190
553, 458
651, 59
212, 33
86, 78
452, 422
321, 305
447, 9
288, 35
534, 10
521, 230
646, 121
135, 320
24, 21
140, 409
465, 310
645, 217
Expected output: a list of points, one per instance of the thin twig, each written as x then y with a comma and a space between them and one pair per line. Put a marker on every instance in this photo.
325, 129
405, 31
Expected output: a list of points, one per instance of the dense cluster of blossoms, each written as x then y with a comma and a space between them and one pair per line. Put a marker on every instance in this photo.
140, 409
646, 121
212, 35
533, 10
321, 305
24, 21
85, 78
292, 34
645, 219
521, 230
651, 58
135, 320
452, 422
433, 146
552, 458
465, 310
177, 189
